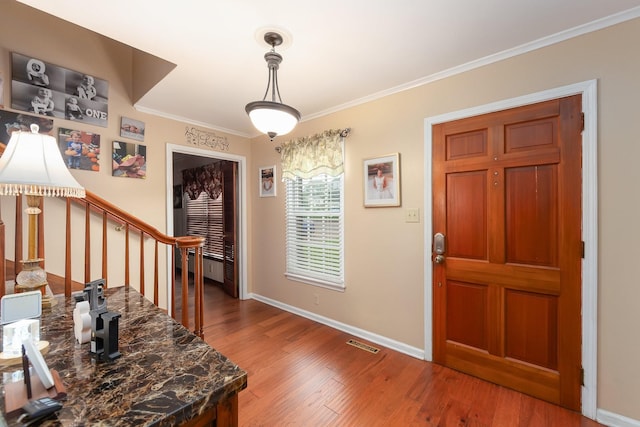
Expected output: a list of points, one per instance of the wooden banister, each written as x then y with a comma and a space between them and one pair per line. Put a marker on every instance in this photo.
97, 208
99, 204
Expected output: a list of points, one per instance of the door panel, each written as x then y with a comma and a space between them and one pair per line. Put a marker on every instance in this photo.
531, 215
467, 236
535, 313
507, 196
467, 314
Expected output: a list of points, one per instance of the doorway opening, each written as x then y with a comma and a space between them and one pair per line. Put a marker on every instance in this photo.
183, 157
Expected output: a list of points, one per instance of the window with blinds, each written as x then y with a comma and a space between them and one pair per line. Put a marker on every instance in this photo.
315, 231
204, 218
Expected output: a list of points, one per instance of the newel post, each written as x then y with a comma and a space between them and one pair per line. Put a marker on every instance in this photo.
195, 243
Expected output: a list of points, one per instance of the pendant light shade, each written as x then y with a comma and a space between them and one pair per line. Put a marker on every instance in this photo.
272, 117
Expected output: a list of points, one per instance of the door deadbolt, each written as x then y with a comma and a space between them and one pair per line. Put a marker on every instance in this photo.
438, 248
438, 243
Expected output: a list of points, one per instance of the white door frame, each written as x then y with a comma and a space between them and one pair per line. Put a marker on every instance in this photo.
242, 205
588, 89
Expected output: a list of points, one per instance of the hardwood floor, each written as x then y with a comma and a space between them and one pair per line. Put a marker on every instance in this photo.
301, 373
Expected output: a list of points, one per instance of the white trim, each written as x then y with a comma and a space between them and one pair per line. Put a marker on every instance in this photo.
614, 420
242, 205
588, 89
506, 54
352, 330
189, 121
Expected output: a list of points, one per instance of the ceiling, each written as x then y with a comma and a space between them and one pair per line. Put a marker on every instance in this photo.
337, 53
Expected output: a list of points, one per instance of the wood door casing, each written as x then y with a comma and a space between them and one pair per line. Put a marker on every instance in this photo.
229, 261
507, 299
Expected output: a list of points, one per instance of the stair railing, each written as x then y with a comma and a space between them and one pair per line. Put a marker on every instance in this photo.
110, 215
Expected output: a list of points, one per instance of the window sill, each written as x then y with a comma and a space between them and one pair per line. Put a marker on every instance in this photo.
316, 282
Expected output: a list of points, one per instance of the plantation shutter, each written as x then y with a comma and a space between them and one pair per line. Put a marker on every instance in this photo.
315, 228
204, 206
204, 219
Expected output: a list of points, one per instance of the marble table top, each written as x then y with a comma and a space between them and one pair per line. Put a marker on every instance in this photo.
165, 376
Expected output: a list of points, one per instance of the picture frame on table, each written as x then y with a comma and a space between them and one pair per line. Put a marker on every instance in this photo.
267, 181
382, 181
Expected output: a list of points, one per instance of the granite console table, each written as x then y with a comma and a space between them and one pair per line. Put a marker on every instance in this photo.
166, 375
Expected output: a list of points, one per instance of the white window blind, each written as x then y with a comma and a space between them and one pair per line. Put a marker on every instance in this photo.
315, 231
204, 219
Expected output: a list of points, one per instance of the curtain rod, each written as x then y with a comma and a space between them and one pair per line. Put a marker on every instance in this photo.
343, 133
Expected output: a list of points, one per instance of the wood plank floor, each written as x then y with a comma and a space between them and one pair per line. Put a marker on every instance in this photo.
301, 373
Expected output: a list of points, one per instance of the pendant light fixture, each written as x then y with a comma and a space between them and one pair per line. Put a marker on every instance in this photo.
272, 117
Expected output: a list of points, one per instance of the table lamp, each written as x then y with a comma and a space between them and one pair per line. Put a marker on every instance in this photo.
32, 165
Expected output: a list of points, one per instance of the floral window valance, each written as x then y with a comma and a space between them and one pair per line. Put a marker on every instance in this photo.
207, 178
313, 155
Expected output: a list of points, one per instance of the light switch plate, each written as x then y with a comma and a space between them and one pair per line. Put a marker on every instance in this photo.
412, 215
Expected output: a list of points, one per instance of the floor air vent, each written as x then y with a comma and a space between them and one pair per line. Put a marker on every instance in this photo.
363, 346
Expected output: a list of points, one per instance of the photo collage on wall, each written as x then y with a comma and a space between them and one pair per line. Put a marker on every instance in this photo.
45, 91
49, 90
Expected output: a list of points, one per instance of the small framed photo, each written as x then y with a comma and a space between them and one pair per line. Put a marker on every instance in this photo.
382, 181
267, 176
130, 128
79, 149
129, 160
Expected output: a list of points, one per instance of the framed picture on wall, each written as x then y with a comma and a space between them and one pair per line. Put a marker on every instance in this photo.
10, 122
382, 181
129, 160
49, 90
130, 128
79, 149
267, 177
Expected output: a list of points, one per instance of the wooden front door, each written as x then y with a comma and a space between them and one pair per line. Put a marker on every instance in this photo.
507, 283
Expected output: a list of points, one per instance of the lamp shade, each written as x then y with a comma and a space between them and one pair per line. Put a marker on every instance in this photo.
32, 165
272, 118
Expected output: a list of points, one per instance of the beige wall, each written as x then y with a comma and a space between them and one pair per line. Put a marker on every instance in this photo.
384, 255
73, 48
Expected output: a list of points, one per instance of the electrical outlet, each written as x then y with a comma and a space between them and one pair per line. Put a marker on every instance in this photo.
412, 215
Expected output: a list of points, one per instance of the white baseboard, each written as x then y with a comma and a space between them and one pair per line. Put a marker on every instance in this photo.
614, 420
361, 333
